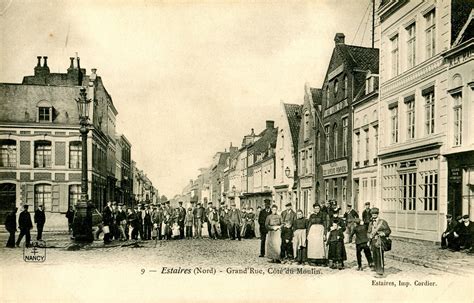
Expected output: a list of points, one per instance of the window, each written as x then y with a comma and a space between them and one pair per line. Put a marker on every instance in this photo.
326, 190
43, 154
344, 190
302, 166
306, 168
310, 160
367, 145
336, 87
411, 118
345, 135
306, 125
394, 123
43, 196
327, 96
376, 141
318, 146
74, 194
346, 87
373, 189
430, 19
395, 54
44, 114
334, 134
357, 155
457, 118
408, 191
7, 153
429, 113
326, 130
364, 189
75, 155
428, 173
390, 185
411, 45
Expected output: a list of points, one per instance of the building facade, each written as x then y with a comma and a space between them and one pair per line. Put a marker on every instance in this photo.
286, 154
345, 77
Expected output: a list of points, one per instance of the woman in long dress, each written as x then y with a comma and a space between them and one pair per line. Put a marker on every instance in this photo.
316, 237
273, 241
257, 226
299, 237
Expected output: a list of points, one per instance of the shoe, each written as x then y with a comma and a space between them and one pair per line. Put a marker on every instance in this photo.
359, 269
371, 265
261, 256
278, 261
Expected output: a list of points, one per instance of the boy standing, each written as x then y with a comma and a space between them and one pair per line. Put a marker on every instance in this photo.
360, 231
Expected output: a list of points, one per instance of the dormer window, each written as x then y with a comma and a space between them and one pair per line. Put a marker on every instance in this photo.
44, 112
336, 87
370, 83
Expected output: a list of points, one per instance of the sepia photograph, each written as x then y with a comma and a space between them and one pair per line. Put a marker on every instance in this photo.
237, 151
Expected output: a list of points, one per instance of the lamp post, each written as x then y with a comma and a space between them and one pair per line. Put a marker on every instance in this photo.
82, 225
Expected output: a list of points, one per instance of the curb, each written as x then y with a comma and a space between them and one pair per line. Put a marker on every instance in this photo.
427, 264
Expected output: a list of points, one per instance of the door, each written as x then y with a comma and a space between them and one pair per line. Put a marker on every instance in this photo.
7, 199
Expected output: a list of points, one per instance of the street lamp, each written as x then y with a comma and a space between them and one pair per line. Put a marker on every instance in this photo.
82, 225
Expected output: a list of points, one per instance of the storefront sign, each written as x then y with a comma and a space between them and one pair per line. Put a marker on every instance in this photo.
335, 168
455, 175
306, 182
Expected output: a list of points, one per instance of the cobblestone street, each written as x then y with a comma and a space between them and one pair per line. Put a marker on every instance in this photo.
145, 263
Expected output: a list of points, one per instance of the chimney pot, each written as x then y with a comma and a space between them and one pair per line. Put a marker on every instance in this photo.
252, 132
45, 62
72, 62
339, 38
39, 61
270, 124
78, 62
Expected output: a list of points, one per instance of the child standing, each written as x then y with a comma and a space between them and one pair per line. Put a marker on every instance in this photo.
337, 252
299, 237
287, 242
188, 223
360, 231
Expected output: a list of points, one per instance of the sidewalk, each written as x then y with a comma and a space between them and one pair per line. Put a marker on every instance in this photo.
428, 254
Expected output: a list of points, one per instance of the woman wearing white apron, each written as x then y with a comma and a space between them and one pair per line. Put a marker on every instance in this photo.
273, 241
316, 237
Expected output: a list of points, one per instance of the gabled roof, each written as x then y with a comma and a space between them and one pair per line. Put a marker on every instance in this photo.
293, 114
317, 96
268, 139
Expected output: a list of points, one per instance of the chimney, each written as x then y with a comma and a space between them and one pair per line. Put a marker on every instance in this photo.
252, 133
39, 61
78, 63
270, 124
339, 38
72, 62
45, 62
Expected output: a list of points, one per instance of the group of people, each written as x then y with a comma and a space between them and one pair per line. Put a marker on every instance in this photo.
319, 239
25, 225
459, 234
163, 222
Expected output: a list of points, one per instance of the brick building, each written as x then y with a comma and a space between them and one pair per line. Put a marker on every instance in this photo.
40, 140
345, 77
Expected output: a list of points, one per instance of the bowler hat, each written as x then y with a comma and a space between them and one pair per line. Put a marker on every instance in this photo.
288, 204
458, 218
449, 216
374, 210
367, 203
465, 217
267, 202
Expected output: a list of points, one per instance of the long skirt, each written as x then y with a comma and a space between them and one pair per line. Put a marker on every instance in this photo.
273, 244
337, 251
299, 240
257, 229
316, 248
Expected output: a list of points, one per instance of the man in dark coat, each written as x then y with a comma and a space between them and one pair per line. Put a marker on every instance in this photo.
40, 219
288, 216
222, 214
262, 218
107, 218
378, 231
25, 224
366, 215
181, 217
148, 225
466, 232
198, 213
349, 216
360, 232
70, 218
10, 226
448, 240
235, 222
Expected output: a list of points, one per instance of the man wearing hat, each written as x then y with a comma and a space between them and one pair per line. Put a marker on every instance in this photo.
288, 217
40, 220
235, 221
25, 224
121, 222
349, 216
222, 220
10, 226
107, 220
262, 218
366, 215
466, 232
378, 231
448, 240
198, 213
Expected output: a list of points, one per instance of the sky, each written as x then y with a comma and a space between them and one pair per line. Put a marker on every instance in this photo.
189, 77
